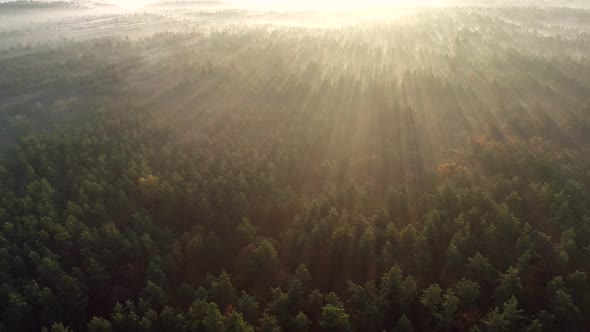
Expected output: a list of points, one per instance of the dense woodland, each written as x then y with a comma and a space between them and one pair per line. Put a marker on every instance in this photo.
426, 174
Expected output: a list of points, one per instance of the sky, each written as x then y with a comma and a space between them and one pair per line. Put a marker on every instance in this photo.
333, 4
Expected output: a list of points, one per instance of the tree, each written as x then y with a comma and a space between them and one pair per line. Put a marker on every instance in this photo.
269, 323
365, 307
154, 295
577, 282
248, 306
341, 248
367, 254
403, 325
334, 319
235, 322
454, 262
398, 293
502, 234
172, 320
17, 310
98, 324
278, 306
480, 269
296, 295
440, 306
246, 231
333, 299
263, 263
468, 293
315, 302
299, 323
213, 320
59, 327
561, 304
509, 285
155, 274
302, 274
495, 321
510, 318
535, 326
73, 299
514, 316
222, 291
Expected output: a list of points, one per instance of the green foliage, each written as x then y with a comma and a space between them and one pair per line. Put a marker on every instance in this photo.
334, 318
269, 324
154, 295
480, 269
235, 323
213, 320
98, 324
510, 318
59, 327
441, 306
222, 291
468, 292
510, 285
403, 325
299, 323
248, 306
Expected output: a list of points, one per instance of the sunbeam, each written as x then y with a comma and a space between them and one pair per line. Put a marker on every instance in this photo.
257, 165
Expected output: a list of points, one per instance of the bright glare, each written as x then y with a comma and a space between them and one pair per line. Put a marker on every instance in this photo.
312, 4
341, 4
131, 4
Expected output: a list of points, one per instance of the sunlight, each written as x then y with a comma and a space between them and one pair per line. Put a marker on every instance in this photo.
297, 165
132, 4
335, 5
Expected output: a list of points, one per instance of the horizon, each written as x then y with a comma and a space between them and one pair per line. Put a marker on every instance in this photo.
268, 166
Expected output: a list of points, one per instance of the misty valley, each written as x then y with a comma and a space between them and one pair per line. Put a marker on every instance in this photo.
213, 166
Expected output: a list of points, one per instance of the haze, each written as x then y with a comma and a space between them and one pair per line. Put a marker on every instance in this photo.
295, 166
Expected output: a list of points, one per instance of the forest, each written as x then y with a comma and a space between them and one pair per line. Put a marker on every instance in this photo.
217, 168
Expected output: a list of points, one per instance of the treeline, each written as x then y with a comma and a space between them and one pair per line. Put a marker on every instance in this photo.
275, 190
23, 4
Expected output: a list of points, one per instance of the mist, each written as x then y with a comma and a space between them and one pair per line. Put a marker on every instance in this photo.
295, 166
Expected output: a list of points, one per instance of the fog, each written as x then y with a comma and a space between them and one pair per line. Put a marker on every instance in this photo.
295, 166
